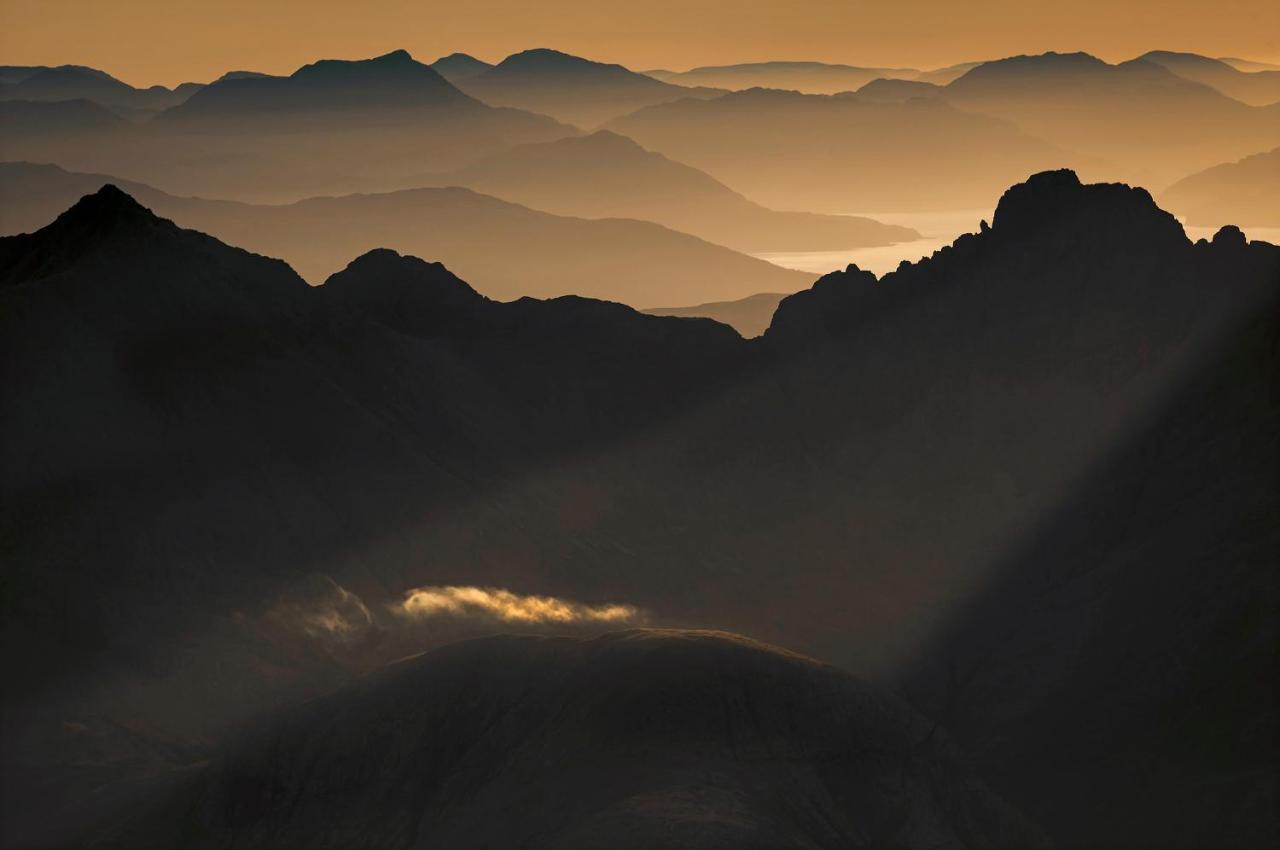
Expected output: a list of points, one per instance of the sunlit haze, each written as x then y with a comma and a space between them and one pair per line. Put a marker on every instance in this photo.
147, 42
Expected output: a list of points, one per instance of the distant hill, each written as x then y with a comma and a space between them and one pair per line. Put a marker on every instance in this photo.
841, 153
1257, 87
76, 82
942, 76
1241, 193
604, 175
749, 316
367, 124
807, 77
896, 91
1149, 124
330, 87
505, 249
457, 67
1248, 64
571, 88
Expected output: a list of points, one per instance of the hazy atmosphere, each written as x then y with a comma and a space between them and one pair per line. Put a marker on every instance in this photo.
701, 425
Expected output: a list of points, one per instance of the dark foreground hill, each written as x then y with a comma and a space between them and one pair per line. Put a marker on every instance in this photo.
636, 739
1029, 478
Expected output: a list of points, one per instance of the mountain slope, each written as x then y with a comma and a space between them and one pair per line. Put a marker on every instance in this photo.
457, 67
840, 153
1257, 88
75, 82
604, 175
1241, 193
1123, 658
749, 316
505, 249
1148, 123
366, 124
634, 739
806, 77
570, 88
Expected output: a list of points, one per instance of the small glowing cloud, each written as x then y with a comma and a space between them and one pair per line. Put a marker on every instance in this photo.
321, 608
424, 602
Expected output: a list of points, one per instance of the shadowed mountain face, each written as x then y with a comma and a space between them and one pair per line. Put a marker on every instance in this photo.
605, 175
896, 462
807, 77
635, 739
1124, 662
790, 150
74, 82
504, 249
366, 124
1258, 88
570, 88
1242, 192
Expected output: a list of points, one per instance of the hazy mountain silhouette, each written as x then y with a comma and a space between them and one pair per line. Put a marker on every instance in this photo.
505, 249
457, 67
634, 739
807, 77
326, 88
75, 82
896, 91
1241, 192
570, 88
366, 124
860, 484
1146, 121
749, 316
29, 122
1258, 87
1248, 65
841, 153
605, 175
942, 76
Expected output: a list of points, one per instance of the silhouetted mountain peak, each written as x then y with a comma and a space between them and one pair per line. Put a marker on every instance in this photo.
459, 66
401, 291
1058, 198
544, 58
108, 210
1230, 235
395, 61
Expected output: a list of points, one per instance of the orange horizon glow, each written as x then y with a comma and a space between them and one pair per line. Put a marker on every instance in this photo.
148, 42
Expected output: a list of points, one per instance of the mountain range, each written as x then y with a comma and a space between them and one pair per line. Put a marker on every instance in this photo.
76, 82
958, 479
605, 175
570, 88
797, 151
508, 250
366, 123
1243, 192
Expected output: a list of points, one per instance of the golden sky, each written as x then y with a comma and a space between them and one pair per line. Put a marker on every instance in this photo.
148, 41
